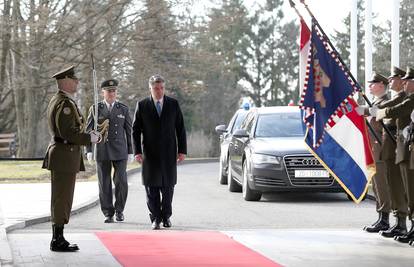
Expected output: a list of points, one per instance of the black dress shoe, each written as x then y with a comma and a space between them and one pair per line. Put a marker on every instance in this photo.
376, 228
381, 224
407, 237
59, 242
119, 216
109, 219
166, 223
155, 225
63, 246
394, 232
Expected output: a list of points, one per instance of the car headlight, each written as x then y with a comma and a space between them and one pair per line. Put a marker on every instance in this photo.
265, 159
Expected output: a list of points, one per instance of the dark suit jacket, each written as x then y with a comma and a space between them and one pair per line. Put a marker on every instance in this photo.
162, 138
118, 144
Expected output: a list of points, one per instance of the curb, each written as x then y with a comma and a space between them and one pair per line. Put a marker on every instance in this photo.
6, 258
91, 202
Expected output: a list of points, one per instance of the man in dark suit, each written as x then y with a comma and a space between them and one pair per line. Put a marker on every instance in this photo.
113, 151
158, 118
64, 156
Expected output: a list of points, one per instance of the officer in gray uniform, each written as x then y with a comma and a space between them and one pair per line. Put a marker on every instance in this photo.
114, 123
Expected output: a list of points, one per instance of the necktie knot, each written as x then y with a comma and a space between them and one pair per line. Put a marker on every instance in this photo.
110, 107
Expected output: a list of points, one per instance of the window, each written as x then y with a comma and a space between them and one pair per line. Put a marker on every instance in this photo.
241, 115
279, 125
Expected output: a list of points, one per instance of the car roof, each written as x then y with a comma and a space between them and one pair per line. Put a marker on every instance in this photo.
277, 109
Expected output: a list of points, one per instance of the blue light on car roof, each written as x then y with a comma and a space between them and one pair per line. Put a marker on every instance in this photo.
246, 106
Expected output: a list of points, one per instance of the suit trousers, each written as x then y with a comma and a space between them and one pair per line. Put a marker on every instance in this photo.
396, 187
63, 187
160, 207
408, 179
380, 188
105, 186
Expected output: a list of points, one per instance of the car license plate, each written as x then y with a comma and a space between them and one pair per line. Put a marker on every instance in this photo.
311, 173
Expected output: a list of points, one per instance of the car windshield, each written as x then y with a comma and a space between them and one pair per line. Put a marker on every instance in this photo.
279, 125
239, 120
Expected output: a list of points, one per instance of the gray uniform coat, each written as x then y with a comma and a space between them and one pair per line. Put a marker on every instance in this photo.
118, 144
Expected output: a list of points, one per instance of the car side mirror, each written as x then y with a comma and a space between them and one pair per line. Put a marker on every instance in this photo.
220, 129
241, 133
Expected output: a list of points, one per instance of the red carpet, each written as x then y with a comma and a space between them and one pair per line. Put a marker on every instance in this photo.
180, 249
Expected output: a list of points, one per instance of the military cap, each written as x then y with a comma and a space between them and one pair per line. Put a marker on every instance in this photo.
409, 75
397, 72
109, 84
68, 72
378, 78
156, 79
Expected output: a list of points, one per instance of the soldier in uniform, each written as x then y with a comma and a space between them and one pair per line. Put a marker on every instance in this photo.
394, 177
113, 151
401, 112
64, 155
378, 87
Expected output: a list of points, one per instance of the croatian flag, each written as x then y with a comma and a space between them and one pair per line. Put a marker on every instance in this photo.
305, 39
336, 134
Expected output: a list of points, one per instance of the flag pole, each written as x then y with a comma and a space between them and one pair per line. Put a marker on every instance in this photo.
350, 74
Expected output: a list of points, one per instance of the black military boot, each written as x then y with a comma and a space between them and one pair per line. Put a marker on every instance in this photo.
398, 229
381, 224
407, 237
59, 243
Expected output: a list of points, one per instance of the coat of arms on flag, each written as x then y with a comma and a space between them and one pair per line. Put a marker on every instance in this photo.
336, 134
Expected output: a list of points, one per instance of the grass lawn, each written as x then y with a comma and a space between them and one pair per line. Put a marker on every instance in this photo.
32, 172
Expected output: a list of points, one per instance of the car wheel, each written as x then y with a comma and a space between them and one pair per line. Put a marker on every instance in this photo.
222, 175
248, 193
231, 184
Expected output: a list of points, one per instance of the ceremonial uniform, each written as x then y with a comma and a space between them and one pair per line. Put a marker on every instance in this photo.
401, 112
64, 154
378, 84
113, 152
394, 177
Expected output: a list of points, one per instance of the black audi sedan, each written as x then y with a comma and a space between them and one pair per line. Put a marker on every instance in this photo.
268, 154
226, 133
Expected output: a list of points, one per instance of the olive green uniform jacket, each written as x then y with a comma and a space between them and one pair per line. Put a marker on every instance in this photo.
66, 124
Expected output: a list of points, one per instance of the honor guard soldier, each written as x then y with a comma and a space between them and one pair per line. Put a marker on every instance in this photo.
115, 125
401, 112
378, 87
64, 154
394, 177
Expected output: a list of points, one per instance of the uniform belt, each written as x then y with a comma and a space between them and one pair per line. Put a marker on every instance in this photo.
61, 141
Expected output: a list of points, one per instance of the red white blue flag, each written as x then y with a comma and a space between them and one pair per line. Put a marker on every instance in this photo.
336, 134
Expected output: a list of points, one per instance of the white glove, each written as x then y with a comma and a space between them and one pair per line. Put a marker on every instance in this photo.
381, 114
131, 158
405, 132
412, 116
373, 111
89, 156
95, 137
360, 110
